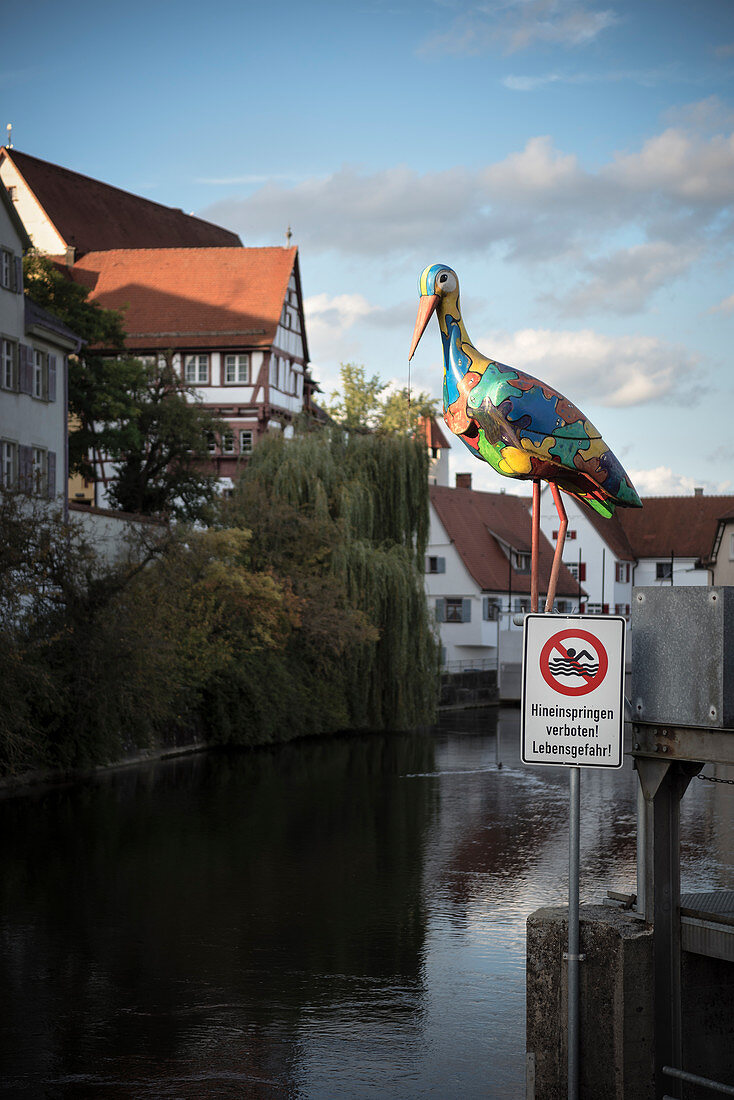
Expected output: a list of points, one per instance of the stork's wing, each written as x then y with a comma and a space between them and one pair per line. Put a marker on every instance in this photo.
517, 410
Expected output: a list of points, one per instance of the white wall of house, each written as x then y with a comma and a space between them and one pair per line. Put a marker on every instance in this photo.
33, 375
438, 466
655, 572
724, 567
447, 579
606, 579
38, 226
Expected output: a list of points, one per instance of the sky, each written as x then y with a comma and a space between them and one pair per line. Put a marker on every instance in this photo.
571, 160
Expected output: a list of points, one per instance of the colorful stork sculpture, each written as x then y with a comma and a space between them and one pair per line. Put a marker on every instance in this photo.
519, 425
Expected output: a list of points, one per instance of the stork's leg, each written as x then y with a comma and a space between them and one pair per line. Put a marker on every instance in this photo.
535, 548
558, 556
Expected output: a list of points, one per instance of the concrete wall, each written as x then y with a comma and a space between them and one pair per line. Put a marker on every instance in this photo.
616, 1005
617, 1009
113, 534
468, 689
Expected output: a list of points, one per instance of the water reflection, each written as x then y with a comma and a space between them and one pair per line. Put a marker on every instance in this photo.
331, 918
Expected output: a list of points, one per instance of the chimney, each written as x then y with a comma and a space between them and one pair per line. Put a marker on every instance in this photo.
698, 492
463, 481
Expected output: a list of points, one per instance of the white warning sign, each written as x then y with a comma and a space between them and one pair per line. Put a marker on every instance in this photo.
572, 709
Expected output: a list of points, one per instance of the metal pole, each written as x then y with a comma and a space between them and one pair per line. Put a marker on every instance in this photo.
573, 932
603, 570
641, 852
535, 548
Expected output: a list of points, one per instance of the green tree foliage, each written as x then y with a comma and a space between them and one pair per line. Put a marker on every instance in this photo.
98, 385
98, 659
160, 438
141, 416
368, 404
345, 517
301, 613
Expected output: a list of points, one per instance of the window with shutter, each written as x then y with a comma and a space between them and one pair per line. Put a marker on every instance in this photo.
25, 382
9, 376
435, 565
51, 388
8, 464
25, 468
51, 474
7, 269
490, 609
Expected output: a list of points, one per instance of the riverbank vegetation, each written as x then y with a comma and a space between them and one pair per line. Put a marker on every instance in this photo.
300, 610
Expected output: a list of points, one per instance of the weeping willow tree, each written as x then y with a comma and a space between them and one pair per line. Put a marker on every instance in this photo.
344, 519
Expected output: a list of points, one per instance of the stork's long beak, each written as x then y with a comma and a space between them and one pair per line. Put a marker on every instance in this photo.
426, 308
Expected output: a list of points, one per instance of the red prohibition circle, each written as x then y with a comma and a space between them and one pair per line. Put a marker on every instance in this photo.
554, 642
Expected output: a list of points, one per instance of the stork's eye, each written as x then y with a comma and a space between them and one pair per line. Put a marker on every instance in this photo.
446, 281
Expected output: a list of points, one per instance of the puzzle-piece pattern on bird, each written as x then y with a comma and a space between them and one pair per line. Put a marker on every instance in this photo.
524, 428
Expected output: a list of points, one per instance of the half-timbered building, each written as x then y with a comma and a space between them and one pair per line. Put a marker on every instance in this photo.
231, 317
232, 320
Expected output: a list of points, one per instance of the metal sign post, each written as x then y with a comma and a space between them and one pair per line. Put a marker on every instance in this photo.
572, 956
572, 714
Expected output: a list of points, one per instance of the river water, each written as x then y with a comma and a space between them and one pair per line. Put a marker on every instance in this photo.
334, 918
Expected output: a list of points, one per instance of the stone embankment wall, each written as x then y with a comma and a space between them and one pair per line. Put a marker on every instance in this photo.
470, 688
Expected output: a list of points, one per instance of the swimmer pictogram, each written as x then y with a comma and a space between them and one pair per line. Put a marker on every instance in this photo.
576, 668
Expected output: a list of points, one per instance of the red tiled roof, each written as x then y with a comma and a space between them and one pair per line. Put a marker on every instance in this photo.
434, 436
192, 297
475, 521
684, 526
92, 216
613, 533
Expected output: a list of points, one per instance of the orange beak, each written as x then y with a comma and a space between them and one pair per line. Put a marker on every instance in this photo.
426, 308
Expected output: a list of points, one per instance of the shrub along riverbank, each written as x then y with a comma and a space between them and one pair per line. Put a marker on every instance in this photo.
300, 612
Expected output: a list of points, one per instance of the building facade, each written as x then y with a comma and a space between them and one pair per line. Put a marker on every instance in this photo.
232, 322
231, 319
34, 350
477, 573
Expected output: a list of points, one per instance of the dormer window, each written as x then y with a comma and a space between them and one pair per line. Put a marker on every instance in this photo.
520, 561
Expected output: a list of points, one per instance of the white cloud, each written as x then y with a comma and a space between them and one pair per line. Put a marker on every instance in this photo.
621, 281
646, 77
537, 205
329, 319
679, 166
520, 25
589, 366
661, 481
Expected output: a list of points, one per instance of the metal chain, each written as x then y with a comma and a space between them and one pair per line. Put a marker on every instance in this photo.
715, 779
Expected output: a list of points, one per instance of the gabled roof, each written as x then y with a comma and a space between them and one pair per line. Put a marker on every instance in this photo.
192, 297
683, 526
477, 523
612, 532
91, 216
435, 439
